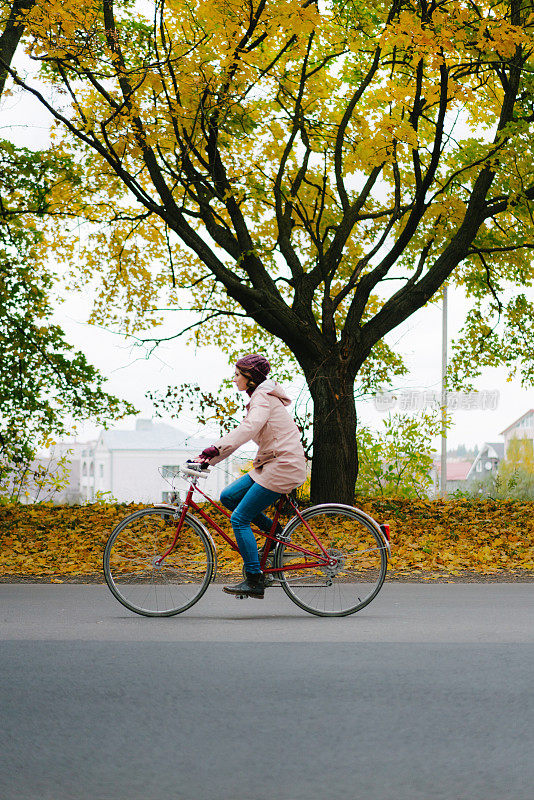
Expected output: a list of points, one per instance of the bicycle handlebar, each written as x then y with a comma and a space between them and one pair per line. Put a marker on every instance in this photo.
194, 472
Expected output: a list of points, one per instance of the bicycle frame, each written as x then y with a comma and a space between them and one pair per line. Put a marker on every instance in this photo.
189, 503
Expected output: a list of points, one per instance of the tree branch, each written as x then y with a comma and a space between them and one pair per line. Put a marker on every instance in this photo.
340, 136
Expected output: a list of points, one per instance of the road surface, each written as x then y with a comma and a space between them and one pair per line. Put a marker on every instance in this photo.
424, 695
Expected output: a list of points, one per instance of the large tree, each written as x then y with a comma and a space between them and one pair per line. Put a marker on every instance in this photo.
327, 166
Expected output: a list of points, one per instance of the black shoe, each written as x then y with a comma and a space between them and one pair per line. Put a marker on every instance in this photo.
252, 586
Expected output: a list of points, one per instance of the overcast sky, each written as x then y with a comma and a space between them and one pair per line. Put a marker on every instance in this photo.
131, 374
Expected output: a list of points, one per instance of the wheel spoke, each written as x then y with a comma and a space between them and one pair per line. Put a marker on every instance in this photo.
358, 561
142, 584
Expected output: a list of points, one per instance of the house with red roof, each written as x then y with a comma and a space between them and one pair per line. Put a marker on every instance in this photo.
457, 472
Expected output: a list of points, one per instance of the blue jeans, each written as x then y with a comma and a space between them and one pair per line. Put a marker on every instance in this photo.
247, 499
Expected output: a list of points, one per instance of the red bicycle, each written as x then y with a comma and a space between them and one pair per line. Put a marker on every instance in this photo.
330, 559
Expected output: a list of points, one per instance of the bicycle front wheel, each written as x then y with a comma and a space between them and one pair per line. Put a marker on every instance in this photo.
356, 552
143, 583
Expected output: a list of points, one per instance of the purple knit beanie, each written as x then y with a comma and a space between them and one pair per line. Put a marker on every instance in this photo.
255, 365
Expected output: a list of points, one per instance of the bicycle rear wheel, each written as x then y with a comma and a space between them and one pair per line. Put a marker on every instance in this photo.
358, 558
134, 574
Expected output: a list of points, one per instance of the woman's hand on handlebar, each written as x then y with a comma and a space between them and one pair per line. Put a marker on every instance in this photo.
201, 461
205, 456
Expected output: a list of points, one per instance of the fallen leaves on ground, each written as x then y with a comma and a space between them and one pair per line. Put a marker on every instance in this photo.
432, 537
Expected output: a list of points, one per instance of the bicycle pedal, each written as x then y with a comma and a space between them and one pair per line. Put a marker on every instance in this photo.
241, 596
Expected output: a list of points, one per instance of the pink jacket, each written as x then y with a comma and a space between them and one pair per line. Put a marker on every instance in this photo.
280, 464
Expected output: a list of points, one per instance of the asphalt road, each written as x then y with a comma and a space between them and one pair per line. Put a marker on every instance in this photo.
424, 695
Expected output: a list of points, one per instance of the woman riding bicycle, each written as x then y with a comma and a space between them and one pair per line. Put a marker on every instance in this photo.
279, 466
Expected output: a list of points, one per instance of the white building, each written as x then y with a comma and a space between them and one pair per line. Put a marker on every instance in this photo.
127, 465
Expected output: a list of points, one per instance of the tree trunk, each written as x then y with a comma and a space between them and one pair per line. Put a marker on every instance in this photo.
11, 35
335, 453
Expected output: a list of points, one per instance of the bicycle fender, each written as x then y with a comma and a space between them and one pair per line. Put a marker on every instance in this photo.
369, 519
377, 528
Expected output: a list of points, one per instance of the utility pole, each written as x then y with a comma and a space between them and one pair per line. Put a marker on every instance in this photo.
443, 476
